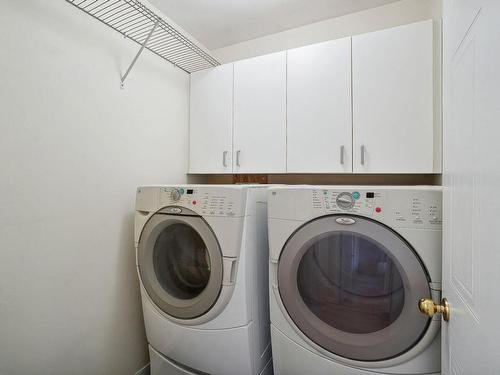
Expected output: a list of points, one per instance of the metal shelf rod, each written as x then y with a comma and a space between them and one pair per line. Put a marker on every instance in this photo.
138, 54
140, 24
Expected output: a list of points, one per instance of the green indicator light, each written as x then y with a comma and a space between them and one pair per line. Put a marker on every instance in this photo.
325, 192
181, 190
355, 195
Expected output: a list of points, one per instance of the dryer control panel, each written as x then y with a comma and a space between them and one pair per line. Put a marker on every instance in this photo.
412, 207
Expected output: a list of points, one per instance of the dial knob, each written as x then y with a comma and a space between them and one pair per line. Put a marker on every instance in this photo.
345, 201
175, 194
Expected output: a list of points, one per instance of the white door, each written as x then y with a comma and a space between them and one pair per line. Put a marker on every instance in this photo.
260, 114
319, 127
471, 217
211, 120
393, 100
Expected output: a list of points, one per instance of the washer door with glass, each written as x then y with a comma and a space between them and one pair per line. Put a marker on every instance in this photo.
352, 285
180, 264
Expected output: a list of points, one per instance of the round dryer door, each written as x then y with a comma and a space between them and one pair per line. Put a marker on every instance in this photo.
352, 285
180, 264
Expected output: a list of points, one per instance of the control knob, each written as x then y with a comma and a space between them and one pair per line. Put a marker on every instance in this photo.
345, 201
175, 195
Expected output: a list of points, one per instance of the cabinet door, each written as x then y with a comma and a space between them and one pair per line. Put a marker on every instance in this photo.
393, 100
211, 120
260, 114
319, 127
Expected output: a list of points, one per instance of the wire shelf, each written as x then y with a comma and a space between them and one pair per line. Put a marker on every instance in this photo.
135, 21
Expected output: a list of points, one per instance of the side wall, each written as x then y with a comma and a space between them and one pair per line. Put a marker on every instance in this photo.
73, 148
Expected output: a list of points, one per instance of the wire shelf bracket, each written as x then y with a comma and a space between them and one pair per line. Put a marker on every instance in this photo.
140, 24
124, 77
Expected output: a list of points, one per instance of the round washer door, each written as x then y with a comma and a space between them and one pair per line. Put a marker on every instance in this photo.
180, 264
352, 285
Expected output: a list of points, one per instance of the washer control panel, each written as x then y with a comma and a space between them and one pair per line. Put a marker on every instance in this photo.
206, 201
409, 207
343, 201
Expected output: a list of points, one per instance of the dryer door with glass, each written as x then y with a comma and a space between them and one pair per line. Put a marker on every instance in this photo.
180, 263
351, 285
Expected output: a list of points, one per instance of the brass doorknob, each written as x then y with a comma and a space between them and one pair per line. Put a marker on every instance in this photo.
429, 308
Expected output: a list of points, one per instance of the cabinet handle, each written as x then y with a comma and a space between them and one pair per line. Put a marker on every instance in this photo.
238, 157
342, 154
224, 155
363, 155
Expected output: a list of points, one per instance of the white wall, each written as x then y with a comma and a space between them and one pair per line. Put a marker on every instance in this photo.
393, 14
73, 148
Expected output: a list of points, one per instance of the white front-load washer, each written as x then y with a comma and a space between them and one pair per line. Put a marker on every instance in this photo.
202, 260
348, 266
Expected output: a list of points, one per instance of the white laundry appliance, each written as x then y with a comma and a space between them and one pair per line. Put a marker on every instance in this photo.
202, 259
348, 266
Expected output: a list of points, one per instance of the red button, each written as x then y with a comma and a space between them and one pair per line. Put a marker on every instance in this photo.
194, 202
378, 209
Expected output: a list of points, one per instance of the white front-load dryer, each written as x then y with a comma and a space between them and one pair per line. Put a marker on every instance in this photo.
348, 266
202, 260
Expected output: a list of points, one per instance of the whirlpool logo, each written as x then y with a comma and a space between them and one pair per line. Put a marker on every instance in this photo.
345, 220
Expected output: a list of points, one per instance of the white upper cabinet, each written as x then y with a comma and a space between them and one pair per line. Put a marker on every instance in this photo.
395, 126
211, 121
366, 104
260, 114
319, 127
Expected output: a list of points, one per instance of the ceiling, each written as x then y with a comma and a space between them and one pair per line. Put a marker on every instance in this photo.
219, 23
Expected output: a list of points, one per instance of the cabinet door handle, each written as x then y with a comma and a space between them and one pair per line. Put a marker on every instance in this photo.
238, 157
342, 149
363, 155
224, 155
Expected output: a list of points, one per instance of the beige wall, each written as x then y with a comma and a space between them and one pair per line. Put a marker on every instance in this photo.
73, 148
393, 14
321, 179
